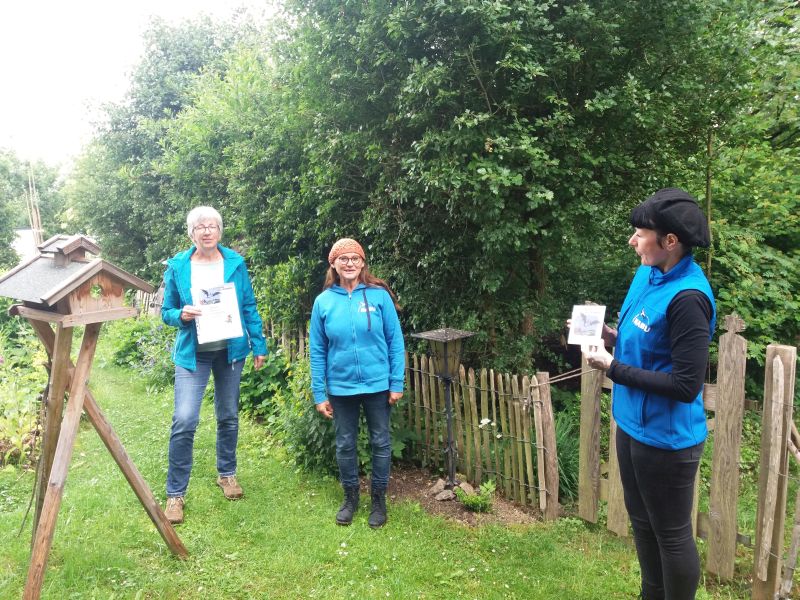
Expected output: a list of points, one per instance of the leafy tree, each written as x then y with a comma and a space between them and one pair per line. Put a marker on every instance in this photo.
14, 186
117, 194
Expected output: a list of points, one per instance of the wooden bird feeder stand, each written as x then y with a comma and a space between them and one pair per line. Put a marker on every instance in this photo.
61, 288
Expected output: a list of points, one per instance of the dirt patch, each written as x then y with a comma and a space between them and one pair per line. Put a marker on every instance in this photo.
413, 483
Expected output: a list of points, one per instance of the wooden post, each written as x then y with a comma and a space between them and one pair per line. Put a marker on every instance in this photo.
58, 474
495, 429
589, 453
617, 516
417, 403
485, 424
476, 432
465, 397
426, 405
769, 510
436, 418
504, 433
511, 391
729, 412
58, 346
458, 416
548, 440
534, 405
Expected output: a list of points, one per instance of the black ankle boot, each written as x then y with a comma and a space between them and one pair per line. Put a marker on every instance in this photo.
349, 506
377, 516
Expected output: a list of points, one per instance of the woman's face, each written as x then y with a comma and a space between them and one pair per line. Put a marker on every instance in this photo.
348, 266
645, 242
206, 234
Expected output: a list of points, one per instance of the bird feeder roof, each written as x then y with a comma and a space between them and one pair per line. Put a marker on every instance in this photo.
61, 267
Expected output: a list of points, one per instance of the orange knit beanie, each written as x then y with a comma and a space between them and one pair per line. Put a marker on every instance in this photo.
343, 246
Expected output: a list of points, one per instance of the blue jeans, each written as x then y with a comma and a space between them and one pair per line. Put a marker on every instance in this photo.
346, 414
189, 389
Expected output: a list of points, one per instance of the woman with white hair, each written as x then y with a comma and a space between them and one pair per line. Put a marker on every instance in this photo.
207, 265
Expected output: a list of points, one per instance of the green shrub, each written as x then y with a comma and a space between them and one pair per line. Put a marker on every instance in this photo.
481, 501
23, 378
258, 389
568, 446
144, 345
308, 438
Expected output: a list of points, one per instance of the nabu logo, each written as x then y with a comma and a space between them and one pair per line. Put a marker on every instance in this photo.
363, 307
642, 321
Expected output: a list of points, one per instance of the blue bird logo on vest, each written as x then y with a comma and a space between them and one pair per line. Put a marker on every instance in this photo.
642, 321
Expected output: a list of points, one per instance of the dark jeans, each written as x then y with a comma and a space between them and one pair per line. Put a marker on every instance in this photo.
659, 489
346, 414
189, 389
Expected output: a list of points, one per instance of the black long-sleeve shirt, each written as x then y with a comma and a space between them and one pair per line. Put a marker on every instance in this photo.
689, 317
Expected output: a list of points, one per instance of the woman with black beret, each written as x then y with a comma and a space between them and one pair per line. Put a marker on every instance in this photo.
658, 369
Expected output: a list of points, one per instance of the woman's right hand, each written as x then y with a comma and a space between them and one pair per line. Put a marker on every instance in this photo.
189, 312
325, 409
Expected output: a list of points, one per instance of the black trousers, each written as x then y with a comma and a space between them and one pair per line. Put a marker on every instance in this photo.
659, 489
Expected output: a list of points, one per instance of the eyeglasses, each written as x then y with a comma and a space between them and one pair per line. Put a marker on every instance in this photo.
353, 260
204, 228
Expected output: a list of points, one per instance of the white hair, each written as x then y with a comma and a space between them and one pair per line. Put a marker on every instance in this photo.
202, 213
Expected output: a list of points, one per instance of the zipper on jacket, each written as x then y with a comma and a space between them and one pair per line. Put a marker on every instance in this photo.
353, 331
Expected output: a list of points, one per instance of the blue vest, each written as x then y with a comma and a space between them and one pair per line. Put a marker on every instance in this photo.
643, 341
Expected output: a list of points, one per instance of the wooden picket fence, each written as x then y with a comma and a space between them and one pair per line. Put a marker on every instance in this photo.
503, 429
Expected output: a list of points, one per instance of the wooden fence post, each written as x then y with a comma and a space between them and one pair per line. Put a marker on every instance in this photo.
772, 482
729, 411
505, 438
589, 453
475, 440
548, 487
617, 519
465, 397
533, 405
485, 423
495, 428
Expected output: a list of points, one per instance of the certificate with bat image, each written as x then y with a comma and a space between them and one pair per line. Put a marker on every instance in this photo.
586, 327
220, 313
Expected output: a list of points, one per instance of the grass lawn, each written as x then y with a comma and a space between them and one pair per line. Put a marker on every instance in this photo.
280, 541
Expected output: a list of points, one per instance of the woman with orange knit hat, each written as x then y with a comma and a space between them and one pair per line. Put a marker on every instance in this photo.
357, 360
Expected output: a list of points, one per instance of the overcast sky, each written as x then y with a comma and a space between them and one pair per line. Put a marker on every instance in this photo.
60, 60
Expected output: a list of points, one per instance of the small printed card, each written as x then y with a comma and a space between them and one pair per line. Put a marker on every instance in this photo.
587, 325
220, 319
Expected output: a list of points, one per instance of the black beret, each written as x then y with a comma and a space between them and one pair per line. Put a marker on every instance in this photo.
672, 210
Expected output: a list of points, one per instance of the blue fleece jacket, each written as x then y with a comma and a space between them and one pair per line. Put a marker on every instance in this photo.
177, 294
643, 340
354, 351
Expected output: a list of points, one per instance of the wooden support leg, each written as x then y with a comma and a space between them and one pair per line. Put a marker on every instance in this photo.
135, 479
117, 450
58, 473
58, 350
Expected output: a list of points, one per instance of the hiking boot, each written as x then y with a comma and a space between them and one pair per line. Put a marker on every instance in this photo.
349, 506
231, 489
377, 516
174, 510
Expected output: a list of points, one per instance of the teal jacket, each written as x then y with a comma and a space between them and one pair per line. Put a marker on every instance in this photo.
355, 343
177, 294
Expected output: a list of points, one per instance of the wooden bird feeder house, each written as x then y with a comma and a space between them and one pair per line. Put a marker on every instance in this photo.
64, 286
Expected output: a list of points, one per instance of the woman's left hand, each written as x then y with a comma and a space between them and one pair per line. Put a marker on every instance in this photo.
394, 397
598, 357
258, 362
